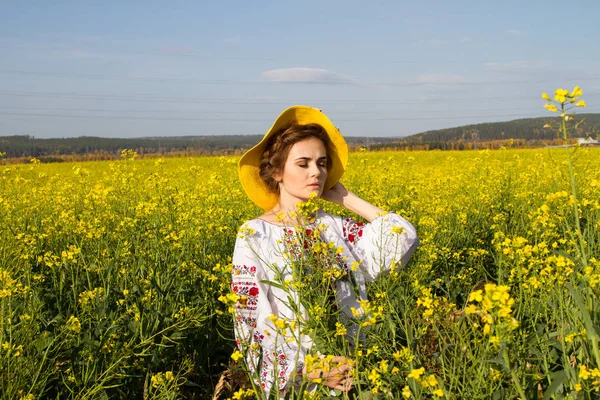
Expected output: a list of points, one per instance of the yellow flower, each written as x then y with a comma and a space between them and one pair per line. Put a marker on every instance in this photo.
476, 296
438, 392
432, 381
471, 309
416, 373
340, 330
583, 372
398, 230
486, 329
546, 97
239, 395
74, 325
550, 107
560, 95
406, 392
576, 92
577, 387
580, 103
236, 355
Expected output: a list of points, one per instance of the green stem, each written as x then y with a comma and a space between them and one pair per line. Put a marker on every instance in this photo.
513, 374
581, 250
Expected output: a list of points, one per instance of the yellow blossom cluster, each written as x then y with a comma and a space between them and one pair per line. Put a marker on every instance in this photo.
493, 305
162, 378
589, 378
433, 306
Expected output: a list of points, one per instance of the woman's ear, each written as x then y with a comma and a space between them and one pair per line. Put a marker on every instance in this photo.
277, 176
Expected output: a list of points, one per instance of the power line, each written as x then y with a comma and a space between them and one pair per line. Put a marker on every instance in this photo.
191, 54
232, 112
162, 99
259, 82
115, 117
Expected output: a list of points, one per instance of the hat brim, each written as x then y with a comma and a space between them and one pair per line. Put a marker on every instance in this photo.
249, 164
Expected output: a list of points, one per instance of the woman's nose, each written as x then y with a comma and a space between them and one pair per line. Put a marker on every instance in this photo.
315, 170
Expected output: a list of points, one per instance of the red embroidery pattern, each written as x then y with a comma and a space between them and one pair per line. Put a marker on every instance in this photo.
352, 230
299, 246
244, 270
250, 291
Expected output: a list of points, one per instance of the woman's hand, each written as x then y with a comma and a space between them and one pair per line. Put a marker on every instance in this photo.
338, 377
336, 194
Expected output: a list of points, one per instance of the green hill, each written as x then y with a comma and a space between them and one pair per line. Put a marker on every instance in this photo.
529, 132
526, 129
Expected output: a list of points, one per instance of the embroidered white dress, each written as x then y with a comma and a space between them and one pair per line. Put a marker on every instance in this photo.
258, 258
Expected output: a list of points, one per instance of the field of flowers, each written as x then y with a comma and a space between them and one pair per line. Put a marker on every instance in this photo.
114, 277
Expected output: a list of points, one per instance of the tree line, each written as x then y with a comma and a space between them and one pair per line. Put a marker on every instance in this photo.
527, 132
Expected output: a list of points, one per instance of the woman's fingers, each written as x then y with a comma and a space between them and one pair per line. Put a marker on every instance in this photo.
339, 359
344, 385
344, 368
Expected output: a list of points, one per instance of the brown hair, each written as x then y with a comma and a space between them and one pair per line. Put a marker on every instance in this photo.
278, 147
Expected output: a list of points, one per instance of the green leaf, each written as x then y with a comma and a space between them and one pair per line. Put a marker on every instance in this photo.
557, 380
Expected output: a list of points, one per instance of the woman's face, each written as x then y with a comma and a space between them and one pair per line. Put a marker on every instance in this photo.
304, 172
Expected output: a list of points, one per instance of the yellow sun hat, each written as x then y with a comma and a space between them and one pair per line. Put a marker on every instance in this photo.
249, 164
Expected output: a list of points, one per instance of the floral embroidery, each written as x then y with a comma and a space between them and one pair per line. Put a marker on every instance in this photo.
250, 291
244, 270
352, 230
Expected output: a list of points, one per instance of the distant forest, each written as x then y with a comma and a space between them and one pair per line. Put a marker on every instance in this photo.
519, 133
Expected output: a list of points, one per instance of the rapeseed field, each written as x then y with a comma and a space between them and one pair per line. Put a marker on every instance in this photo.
115, 277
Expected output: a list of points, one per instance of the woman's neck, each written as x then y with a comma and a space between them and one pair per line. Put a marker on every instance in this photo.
289, 215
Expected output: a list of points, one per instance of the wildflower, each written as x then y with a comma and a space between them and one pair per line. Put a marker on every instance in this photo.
576, 92
340, 330
432, 381
398, 230
416, 373
236, 355
550, 107
560, 95
476, 296
73, 324
438, 392
546, 97
583, 372
406, 393
580, 103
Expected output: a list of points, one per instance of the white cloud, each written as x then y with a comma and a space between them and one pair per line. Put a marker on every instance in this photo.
306, 75
514, 32
518, 66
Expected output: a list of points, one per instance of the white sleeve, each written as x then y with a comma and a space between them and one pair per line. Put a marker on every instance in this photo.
279, 355
388, 239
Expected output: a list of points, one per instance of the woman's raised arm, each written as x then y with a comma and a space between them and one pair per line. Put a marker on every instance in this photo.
338, 194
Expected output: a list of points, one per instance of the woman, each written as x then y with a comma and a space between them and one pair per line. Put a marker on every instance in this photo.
303, 156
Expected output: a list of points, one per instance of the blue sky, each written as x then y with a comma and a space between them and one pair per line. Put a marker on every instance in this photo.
384, 68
